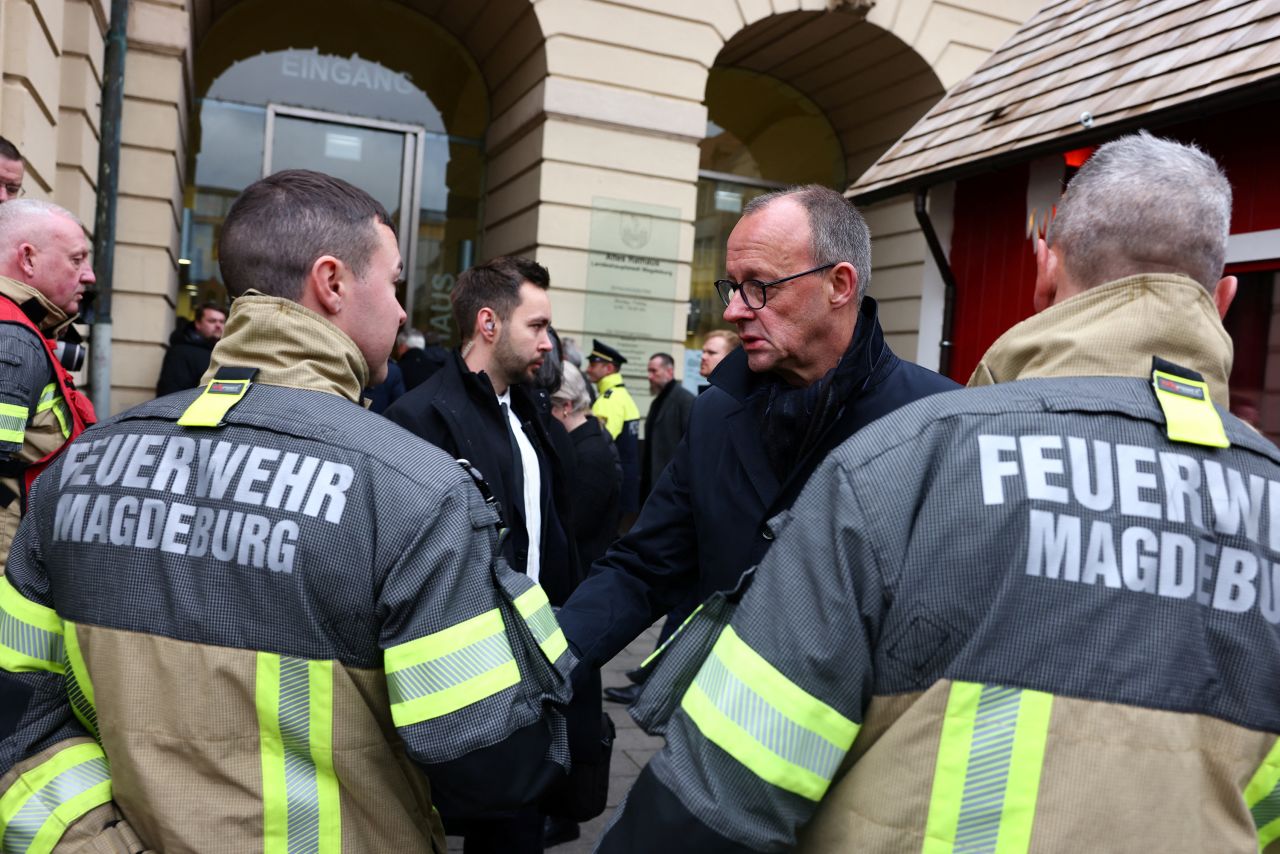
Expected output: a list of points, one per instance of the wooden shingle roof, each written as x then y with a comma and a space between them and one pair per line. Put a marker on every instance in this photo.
1080, 71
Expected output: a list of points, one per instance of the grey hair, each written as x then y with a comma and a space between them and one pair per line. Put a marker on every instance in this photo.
411, 338
23, 220
1142, 204
573, 388
837, 230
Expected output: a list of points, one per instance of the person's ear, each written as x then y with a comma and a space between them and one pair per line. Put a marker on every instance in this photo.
487, 324
27, 259
1048, 274
1223, 293
324, 291
844, 284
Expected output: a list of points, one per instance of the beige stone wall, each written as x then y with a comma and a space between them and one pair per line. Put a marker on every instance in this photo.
589, 101
953, 38
153, 157
52, 79
621, 115
51, 64
50, 107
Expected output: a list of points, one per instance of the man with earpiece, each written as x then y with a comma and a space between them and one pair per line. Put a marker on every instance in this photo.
480, 408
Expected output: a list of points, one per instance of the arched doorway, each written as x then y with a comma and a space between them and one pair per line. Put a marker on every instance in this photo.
762, 134
387, 99
803, 97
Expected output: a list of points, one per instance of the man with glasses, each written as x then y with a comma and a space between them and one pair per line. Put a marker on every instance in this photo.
11, 171
812, 370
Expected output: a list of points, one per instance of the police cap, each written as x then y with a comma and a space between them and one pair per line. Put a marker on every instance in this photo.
601, 352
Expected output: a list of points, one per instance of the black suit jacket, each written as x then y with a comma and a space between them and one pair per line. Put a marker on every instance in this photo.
457, 411
664, 427
706, 521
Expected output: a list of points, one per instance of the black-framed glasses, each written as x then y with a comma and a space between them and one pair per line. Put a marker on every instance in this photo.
754, 293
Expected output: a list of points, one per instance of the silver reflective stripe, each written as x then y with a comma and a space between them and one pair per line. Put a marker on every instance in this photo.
543, 623
987, 774
38, 809
755, 714
30, 640
457, 667
75, 693
13, 422
299, 767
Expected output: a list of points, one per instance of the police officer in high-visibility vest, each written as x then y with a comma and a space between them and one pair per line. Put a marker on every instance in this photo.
1040, 616
617, 409
258, 617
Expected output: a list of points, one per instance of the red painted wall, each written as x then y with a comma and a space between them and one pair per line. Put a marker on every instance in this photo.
991, 256
993, 264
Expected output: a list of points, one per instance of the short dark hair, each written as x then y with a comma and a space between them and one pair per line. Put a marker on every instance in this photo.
8, 150
666, 358
208, 306
495, 285
837, 230
280, 225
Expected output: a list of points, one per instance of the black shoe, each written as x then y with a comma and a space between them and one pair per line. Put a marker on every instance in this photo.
559, 830
626, 695
637, 675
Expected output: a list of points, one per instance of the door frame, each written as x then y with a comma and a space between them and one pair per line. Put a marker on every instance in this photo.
410, 176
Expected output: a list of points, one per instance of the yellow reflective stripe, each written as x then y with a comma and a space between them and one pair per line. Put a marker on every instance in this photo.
271, 747
783, 734
214, 403
449, 670
51, 399
443, 642
327, 788
300, 804
30, 634
79, 685
41, 804
666, 643
13, 423
535, 608
987, 778
1189, 413
1262, 797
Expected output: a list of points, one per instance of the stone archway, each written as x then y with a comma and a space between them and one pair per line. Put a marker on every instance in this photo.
873, 69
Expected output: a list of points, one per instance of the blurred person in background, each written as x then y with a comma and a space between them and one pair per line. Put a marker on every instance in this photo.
190, 348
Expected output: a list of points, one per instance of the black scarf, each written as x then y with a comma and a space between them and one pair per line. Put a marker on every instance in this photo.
792, 420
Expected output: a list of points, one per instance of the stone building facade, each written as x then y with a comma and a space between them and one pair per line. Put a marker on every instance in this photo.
613, 141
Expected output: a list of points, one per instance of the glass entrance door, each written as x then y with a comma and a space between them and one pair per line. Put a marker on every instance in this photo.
382, 158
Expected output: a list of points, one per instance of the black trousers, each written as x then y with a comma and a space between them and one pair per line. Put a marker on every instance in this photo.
520, 833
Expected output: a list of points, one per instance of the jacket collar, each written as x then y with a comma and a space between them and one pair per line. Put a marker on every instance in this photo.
734, 376
54, 319
1113, 330
609, 381
470, 382
290, 346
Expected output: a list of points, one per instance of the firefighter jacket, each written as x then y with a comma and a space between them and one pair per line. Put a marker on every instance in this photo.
1012, 619
40, 410
617, 409
255, 614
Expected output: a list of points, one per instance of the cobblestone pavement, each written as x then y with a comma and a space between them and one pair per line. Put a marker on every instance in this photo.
631, 750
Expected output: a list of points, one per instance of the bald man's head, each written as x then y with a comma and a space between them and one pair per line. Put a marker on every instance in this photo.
44, 246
